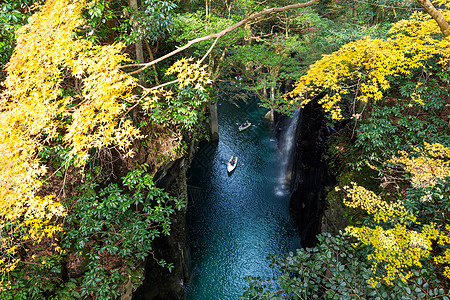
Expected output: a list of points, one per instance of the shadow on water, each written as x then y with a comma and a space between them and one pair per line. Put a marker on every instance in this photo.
234, 221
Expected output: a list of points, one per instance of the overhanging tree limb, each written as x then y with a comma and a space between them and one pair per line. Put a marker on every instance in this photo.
219, 34
436, 15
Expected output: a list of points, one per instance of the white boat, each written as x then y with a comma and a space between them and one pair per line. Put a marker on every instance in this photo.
245, 126
232, 163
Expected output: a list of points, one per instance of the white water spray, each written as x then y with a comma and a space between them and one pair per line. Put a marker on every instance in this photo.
287, 141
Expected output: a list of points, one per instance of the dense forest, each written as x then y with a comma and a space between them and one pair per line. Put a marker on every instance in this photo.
99, 97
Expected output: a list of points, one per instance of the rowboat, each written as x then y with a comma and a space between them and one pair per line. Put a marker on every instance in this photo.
232, 163
245, 125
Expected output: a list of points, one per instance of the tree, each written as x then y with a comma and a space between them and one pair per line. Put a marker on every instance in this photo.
67, 98
436, 15
35, 110
360, 71
64, 92
221, 33
393, 252
334, 269
263, 67
395, 90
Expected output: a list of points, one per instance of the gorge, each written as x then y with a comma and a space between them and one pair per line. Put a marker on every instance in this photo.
235, 221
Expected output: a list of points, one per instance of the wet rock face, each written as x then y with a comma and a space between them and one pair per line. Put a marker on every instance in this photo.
159, 283
310, 177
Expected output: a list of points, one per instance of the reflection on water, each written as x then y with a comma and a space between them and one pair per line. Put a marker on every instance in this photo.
234, 222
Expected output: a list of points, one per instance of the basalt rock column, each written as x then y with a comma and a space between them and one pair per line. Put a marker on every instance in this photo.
310, 176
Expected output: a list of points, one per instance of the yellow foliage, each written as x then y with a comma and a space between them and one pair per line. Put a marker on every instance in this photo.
444, 240
361, 69
37, 108
34, 110
432, 164
359, 197
190, 74
46, 53
396, 249
396, 246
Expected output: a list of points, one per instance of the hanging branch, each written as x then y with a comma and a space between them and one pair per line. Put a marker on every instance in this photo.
219, 34
209, 51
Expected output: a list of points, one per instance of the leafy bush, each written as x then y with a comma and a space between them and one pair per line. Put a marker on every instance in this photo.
335, 269
430, 204
34, 278
113, 230
398, 125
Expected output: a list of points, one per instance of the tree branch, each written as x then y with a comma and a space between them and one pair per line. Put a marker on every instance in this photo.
219, 34
209, 51
436, 15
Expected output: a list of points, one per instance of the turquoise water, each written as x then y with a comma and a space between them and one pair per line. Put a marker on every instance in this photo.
235, 221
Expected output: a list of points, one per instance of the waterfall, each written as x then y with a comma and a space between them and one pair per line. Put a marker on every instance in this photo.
287, 141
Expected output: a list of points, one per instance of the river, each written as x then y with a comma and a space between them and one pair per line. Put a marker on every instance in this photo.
235, 221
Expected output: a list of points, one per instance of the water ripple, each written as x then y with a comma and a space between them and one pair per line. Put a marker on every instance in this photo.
236, 221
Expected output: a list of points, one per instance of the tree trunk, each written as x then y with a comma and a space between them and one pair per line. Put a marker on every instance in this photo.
436, 15
213, 120
272, 93
150, 53
138, 45
219, 34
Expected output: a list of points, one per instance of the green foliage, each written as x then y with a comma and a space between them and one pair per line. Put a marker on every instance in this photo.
97, 15
100, 284
67, 292
430, 203
111, 230
106, 20
296, 40
334, 269
57, 157
35, 278
13, 14
366, 13
193, 25
322, 35
380, 11
402, 229
116, 226
156, 19
183, 109
263, 67
393, 127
